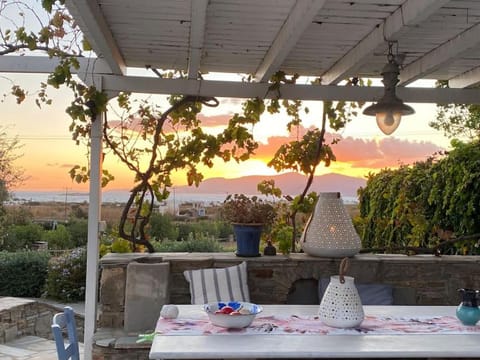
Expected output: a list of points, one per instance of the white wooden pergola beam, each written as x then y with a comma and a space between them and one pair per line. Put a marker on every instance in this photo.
45, 65
441, 55
468, 79
232, 89
410, 13
300, 17
197, 34
97, 69
92, 23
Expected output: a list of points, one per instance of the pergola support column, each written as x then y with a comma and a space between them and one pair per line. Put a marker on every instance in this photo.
94, 216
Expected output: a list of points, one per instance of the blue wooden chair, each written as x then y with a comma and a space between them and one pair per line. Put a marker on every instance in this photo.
62, 321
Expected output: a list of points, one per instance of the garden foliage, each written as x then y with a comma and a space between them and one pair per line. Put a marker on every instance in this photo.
424, 204
21, 237
23, 273
58, 239
67, 276
202, 243
164, 227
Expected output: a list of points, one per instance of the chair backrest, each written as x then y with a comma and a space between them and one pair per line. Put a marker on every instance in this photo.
66, 321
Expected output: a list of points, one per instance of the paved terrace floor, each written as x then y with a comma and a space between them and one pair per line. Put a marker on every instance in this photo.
31, 348
34, 347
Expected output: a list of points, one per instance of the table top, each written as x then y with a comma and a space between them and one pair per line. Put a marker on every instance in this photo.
318, 346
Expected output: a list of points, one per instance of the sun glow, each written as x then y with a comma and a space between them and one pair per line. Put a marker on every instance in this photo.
49, 153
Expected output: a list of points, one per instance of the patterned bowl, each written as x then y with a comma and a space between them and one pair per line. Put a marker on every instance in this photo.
232, 314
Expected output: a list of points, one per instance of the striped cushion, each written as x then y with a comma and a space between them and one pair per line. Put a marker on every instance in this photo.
210, 285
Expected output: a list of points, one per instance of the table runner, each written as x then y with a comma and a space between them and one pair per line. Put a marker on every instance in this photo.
312, 325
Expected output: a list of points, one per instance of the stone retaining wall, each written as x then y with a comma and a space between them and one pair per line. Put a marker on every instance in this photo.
20, 317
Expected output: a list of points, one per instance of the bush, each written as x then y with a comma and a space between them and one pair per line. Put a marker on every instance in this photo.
21, 237
23, 273
224, 228
423, 205
162, 227
78, 230
67, 276
216, 229
201, 244
121, 246
58, 239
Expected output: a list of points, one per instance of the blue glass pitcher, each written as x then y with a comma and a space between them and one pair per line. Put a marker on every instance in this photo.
468, 311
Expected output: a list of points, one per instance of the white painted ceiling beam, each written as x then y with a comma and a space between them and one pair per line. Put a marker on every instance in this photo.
441, 55
91, 21
45, 65
468, 79
114, 83
300, 17
197, 35
410, 13
230, 89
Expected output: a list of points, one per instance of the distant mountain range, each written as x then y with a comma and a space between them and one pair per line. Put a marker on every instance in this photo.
290, 184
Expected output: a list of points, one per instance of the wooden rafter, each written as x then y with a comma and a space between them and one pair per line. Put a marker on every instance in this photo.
410, 13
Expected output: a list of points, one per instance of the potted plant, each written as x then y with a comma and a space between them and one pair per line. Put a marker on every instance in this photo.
249, 216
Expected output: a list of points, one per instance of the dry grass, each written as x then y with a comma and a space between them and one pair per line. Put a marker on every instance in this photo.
110, 212
60, 211
353, 210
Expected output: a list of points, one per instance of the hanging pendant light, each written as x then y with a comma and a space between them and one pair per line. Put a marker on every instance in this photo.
389, 109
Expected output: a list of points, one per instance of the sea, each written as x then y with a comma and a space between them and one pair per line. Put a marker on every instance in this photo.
121, 197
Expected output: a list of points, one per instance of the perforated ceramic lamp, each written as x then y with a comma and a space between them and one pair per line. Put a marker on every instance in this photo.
341, 305
329, 231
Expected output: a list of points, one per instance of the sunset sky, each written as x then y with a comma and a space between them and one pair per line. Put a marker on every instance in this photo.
48, 151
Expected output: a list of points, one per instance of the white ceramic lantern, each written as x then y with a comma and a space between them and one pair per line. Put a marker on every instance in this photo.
329, 231
341, 306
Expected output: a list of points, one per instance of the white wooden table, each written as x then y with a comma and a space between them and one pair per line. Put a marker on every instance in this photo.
319, 346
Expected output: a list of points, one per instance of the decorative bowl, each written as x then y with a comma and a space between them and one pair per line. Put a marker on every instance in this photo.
232, 314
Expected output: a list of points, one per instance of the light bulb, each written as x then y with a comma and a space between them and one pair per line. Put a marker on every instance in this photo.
388, 121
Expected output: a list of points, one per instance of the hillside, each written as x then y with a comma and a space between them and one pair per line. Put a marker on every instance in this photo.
291, 184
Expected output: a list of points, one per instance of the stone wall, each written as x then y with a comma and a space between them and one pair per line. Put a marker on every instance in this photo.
435, 280
20, 317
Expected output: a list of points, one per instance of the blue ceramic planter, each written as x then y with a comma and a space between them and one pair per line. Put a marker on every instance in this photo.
248, 239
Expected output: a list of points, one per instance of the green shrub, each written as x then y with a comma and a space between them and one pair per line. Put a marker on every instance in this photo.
23, 273
78, 230
21, 237
224, 229
162, 227
422, 205
120, 245
67, 276
201, 244
58, 239
216, 229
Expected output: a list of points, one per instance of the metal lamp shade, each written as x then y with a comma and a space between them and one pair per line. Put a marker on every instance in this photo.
388, 112
329, 231
389, 109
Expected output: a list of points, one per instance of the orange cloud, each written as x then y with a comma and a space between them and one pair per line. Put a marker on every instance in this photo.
214, 120
388, 152
360, 153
